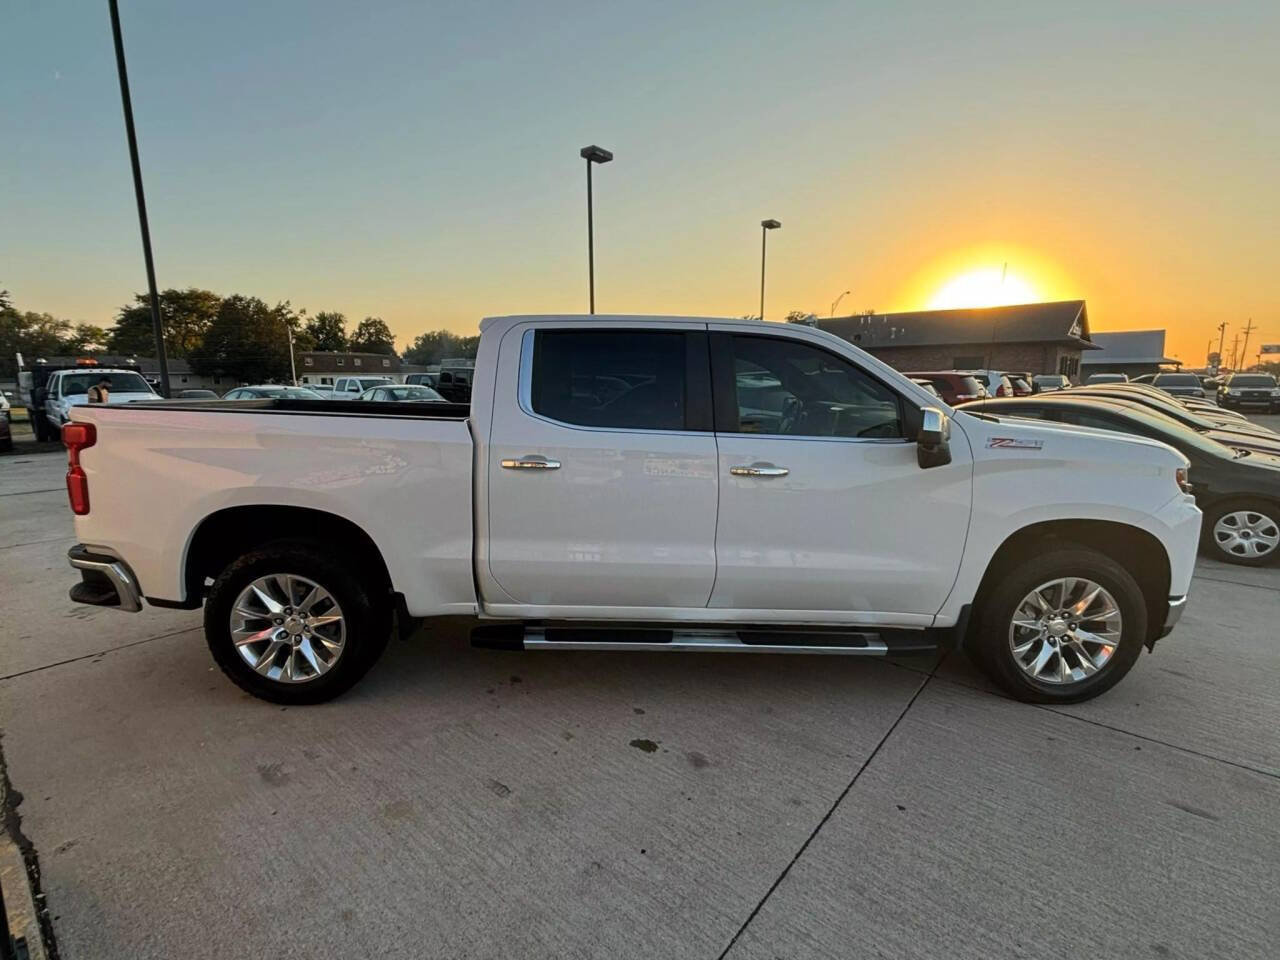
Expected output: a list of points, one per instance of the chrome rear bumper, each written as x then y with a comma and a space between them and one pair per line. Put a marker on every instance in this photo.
106, 581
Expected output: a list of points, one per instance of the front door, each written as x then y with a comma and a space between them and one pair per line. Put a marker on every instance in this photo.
602, 468
823, 506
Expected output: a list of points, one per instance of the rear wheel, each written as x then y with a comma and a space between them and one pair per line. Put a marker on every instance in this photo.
1244, 531
288, 624
1060, 628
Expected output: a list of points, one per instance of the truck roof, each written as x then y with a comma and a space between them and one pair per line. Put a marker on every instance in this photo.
610, 317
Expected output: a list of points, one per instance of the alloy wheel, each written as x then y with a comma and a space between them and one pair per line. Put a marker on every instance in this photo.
1246, 533
1065, 630
288, 628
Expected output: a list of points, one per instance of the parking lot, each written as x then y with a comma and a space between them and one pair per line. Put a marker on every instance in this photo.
475, 803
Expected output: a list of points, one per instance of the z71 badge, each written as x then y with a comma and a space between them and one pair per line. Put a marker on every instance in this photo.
1014, 443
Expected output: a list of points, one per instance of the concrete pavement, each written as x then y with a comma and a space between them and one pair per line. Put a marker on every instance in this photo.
467, 803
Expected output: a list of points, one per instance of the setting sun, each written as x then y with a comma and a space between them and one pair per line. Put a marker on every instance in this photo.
984, 287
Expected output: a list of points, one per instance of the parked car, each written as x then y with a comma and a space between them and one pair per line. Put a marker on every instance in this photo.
1106, 378
1049, 382
1021, 387
1145, 378
6, 425
325, 390
69, 388
995, 382
455, 384
267, 391
641, 486
1243, 390
926, 385
1179, 384
1239, 491
400, 393
1249, 436
423, 379
954, 388
349, 388
194, 394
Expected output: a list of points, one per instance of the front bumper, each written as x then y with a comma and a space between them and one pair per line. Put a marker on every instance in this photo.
106, 581
1176, 607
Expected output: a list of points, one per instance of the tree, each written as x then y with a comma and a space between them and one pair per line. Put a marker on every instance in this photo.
373, 336
328, 331
87, 338
35, 335
799, 316
437, 345
247, 340
185, 315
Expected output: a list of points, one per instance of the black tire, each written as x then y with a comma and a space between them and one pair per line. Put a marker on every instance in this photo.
989, 645
1218, 551
365, 608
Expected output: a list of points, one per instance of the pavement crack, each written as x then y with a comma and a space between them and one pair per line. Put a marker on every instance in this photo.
90, 656
831, 810
12, 826
24, 493
1234, 583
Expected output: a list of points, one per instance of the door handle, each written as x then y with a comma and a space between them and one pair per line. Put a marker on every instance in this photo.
759, 470
531, 462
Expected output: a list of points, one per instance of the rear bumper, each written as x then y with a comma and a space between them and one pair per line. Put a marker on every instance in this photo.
106, 581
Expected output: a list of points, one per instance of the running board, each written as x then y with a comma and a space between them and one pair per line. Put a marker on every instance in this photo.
704, 640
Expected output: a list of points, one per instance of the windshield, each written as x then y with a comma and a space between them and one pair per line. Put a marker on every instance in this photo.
78, 384
367, 382
1252, 381
1177, 380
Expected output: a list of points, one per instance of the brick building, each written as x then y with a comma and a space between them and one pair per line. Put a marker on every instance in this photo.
1029, 337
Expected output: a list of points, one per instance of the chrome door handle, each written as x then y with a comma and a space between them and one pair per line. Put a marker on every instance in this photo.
531, 462
759, 470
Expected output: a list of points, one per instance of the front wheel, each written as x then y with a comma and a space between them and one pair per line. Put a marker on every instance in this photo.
1060, 628
288, 624
1246, 532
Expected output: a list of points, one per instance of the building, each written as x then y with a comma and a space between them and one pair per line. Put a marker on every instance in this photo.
1133, 352
323, 366
1029, 337
181, 376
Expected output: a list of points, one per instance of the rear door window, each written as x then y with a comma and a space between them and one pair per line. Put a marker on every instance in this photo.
625, 379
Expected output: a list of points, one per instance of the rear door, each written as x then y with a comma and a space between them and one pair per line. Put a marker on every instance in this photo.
823, 505
601, 467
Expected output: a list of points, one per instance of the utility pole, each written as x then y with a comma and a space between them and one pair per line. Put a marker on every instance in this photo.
131, 135
1222, 333
1249, 328
1235, 345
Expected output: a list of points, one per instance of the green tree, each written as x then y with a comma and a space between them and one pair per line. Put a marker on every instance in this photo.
35, 335
437, 345
373, 336
799, 316
185, 316
328, 331
246, 340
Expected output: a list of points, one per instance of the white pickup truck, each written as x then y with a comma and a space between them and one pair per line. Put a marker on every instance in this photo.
638, 483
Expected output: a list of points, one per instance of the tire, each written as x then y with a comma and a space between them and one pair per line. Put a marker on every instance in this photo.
991, 645
1259, 516
363, 618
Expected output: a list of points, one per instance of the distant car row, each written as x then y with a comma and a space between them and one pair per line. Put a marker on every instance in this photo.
1235, 464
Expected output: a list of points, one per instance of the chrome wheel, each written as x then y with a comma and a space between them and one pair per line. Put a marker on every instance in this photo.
1246, 533
288, 628
1065, 630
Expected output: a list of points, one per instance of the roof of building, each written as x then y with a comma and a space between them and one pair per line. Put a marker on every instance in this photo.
1063, 321
1129, 346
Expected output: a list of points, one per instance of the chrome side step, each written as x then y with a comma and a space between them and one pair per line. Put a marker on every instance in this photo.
850, 644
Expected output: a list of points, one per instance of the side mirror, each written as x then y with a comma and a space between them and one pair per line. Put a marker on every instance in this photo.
933, 442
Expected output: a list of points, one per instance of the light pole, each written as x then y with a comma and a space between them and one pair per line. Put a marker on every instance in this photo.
765, 227
592, 154
132, 137
293, 369
836, 302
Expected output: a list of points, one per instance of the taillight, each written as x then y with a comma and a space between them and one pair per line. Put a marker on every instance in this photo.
1182, 475
1001, 391
77, 437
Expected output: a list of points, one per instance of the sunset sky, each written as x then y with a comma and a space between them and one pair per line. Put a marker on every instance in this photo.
420, 161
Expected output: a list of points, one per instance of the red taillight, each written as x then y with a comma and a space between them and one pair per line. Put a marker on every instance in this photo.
1001, 391
77, 437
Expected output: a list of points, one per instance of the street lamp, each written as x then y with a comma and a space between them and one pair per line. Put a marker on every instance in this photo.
293, 369
836, 302
126, 102
765, 227
592, 154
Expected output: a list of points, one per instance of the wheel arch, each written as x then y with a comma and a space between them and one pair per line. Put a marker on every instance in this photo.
228, 533
1138, 551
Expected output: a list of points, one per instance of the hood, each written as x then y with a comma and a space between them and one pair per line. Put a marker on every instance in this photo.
1006, 438
1249, 441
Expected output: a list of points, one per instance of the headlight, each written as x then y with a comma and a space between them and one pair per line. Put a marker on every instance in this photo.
1182, 475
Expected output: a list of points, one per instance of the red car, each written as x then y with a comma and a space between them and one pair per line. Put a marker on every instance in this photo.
954, 388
